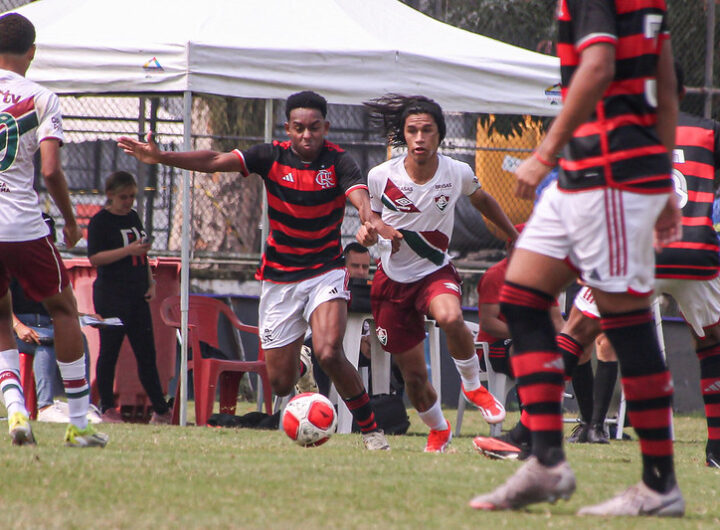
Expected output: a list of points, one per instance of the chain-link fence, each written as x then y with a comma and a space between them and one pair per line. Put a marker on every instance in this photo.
226, 209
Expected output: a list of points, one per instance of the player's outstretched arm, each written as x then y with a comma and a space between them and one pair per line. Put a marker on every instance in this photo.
361, 200
54, 177
489, 207
204, 161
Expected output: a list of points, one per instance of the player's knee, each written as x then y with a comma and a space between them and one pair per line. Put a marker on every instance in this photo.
451, 321
281, 385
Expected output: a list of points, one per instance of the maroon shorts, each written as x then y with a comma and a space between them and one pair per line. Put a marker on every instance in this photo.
399, 309
36, 265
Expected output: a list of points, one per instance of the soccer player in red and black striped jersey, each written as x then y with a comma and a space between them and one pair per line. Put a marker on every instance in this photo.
304, 280
616, 131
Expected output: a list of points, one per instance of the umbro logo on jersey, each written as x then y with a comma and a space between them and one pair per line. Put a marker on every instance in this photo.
715, 387
288, 178
382, 335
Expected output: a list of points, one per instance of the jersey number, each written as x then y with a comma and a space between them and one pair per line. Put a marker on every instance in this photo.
9, 136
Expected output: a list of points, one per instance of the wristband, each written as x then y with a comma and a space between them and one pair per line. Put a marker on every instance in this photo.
540, 159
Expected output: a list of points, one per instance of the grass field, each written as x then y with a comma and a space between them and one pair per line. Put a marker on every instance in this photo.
173, 477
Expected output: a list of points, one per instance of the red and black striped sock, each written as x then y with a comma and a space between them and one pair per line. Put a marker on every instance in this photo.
362, 411
648, 391
571, 351
710, 388
538, 367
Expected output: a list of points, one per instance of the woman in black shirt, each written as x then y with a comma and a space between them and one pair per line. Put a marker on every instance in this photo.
117, 246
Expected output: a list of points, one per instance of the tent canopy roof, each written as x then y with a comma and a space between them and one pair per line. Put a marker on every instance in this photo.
347, 50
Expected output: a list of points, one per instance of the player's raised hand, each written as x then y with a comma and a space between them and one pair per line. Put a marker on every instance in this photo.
147, 152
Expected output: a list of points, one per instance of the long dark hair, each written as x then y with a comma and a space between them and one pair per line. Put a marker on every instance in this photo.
389, 112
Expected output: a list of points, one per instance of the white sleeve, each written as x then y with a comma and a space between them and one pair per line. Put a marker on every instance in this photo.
49, 116
374, 187
469, 182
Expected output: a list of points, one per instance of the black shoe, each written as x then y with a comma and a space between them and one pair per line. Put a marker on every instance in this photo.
596, 434
579, 434
712, 461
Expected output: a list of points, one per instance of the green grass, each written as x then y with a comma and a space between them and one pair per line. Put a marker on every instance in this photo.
173, 477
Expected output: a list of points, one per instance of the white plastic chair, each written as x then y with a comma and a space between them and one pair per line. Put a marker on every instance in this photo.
497, 383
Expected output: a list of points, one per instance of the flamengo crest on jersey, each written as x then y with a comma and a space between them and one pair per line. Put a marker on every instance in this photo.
306, 205
422, 213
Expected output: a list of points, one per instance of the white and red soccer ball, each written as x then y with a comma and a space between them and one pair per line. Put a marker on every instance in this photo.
309, 419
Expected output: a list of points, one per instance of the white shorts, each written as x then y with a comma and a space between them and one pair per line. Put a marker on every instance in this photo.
699, 300
606, 234
585, 302
285, 308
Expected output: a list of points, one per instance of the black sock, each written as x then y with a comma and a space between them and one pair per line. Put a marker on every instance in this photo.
605, 377
582, 381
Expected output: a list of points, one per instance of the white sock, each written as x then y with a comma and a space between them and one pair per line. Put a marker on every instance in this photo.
77, 391
469, 370
434, 418
10, 386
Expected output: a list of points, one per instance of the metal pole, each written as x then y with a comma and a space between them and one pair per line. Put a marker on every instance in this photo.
264, 228
185, 259
709, 54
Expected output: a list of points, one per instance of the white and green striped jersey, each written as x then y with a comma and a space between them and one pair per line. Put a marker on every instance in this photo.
29, 114
423, 213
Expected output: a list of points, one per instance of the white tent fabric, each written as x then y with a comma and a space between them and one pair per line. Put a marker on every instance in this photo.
347, 50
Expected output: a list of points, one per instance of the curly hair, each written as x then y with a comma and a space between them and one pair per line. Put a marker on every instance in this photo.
306, 99
17, 34
389, 112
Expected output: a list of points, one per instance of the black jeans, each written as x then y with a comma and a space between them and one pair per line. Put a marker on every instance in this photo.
134, 311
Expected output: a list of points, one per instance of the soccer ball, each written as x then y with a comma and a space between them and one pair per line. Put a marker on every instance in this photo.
309, 419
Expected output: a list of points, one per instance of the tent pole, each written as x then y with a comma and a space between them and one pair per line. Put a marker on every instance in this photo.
185, 259
268, 138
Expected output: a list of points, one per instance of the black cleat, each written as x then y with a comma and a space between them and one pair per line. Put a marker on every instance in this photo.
579, 434
596, 434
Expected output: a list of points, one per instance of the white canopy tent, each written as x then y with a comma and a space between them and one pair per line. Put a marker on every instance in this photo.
347, 50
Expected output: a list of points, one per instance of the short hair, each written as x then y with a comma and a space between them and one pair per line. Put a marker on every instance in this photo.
355, 247
17, 34
389, 112
119, 180
307, 99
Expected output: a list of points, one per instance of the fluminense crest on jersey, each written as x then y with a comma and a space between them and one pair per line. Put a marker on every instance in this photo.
441, 201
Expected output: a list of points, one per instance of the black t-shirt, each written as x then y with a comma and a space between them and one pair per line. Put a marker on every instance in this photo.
108, 231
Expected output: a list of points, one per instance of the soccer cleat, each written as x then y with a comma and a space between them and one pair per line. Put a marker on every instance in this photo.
375, 441
19, 429
306, 383
491, 409
501, 447
532, 483
579, 434
438, 441
87, 437
640, 500
597, 435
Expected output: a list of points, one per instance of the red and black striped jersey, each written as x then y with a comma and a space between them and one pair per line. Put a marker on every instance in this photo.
695, 160
618, 146
306, 205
